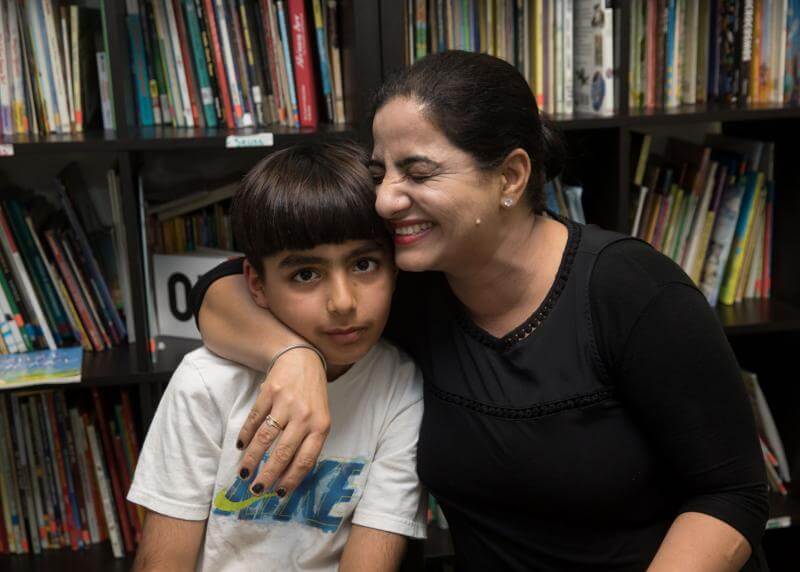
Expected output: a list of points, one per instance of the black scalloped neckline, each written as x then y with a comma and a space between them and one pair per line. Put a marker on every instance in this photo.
529, 326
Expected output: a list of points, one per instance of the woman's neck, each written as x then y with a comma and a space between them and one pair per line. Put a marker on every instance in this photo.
502, 291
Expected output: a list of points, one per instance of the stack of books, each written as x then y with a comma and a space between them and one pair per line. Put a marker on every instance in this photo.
53, 286
710, 208
236, 63
64, 473
564, 48
54, 74
729, 51
565, 200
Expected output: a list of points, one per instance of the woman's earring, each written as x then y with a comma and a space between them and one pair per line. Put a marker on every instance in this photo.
507, 202
477, 222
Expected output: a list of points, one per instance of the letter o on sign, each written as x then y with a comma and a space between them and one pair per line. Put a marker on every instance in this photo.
172, 285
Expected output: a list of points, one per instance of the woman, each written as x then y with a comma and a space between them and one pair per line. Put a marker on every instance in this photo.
583, 409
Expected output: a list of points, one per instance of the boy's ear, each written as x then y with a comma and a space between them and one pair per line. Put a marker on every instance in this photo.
255, 285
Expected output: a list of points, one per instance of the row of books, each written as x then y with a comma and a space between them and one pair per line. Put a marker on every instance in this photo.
731, 51
775, 460
710, 208
236, 63
198, 220
64, 473
53, 68
53, 290
564, 48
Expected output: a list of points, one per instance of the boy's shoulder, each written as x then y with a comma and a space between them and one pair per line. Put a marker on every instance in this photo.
202, 370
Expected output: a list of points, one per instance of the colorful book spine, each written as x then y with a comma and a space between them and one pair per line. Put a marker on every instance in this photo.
285, 41
200, 68
219, 65
141, 81
755, 183
324, 61
303, 65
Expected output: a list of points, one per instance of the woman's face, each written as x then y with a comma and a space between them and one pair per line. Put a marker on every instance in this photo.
431, 193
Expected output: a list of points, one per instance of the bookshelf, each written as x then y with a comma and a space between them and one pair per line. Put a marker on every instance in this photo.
764, 334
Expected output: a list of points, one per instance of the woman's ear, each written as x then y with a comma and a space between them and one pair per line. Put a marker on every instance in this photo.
516, 171
255, 285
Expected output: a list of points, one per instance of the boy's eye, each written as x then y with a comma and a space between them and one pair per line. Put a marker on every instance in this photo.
365, 265
377, 176
305, 275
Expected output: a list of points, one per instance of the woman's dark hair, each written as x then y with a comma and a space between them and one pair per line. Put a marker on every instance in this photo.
484, 106
303, 196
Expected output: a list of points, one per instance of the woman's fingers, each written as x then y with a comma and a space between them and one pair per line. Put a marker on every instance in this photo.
305, 459
279, 458
295, 395
256, 417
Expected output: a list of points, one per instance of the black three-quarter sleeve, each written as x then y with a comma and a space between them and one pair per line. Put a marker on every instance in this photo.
676, 373
232, 266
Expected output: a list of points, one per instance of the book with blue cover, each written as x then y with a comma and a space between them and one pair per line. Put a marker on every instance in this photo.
41, 367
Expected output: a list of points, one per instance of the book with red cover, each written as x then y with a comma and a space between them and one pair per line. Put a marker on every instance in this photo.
303, 65
219, 63
116, 485
72, 457
60, 446
269, 50
125, 478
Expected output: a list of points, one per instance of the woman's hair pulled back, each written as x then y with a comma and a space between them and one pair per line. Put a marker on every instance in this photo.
484, 106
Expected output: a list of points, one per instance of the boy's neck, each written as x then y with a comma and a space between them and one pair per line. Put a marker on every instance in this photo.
335, 371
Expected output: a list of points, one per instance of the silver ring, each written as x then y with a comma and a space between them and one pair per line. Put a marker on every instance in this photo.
270, 420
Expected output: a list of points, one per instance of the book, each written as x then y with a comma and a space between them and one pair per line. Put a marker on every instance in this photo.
42, 367
593, 57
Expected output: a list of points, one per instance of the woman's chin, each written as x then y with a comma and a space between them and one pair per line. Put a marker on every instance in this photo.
414, 261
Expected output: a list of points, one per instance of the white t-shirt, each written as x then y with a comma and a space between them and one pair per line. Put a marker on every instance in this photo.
366, 473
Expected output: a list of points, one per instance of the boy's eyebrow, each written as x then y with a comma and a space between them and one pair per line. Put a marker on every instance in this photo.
301, 260
293, 260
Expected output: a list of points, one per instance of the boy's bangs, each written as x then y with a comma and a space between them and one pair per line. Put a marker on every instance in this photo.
308, 219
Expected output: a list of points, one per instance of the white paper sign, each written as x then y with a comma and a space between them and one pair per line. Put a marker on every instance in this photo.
173, 278
256, 140
6, 150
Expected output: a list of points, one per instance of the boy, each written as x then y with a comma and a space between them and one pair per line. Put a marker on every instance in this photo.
318, 257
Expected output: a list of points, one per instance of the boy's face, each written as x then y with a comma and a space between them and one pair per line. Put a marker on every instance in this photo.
336, 296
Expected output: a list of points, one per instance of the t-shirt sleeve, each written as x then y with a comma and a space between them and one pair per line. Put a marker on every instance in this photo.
393, 498
678, 376
198, 292
178, 463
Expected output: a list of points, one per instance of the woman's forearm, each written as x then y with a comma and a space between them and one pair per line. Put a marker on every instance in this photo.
234, 327
701, 543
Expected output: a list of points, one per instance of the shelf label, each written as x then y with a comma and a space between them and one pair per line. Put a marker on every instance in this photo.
256, 140
7, 150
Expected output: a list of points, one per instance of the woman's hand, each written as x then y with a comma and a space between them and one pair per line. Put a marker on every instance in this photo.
295, 394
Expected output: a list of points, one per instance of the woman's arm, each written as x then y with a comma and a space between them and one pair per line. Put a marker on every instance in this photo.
295, 392
698, 542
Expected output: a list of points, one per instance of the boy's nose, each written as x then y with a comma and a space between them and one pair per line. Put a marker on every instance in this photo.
342, 299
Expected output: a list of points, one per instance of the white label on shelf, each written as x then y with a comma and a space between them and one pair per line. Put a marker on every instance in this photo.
6, 150
779, 522
257, 140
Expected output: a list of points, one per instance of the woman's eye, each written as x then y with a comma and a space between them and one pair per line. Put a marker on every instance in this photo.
365, 265
418, 179
305, 275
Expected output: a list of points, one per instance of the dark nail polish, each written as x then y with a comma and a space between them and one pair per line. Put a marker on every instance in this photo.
281, 492
244, 473
258, 488
239, 444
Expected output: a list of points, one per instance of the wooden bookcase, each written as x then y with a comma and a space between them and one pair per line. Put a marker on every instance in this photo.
763, 333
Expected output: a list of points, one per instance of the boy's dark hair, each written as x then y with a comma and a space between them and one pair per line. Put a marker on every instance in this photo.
303, 196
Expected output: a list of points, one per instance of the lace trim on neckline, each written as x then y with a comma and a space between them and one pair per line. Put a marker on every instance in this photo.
529, 326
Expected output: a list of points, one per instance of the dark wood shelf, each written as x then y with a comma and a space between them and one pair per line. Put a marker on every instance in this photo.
90, 141
684, 114
759, 317
174, 138
96, 558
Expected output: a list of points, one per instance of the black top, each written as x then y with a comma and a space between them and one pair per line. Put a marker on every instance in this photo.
574, 441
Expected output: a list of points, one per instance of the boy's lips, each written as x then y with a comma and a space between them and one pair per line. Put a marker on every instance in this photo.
346, 336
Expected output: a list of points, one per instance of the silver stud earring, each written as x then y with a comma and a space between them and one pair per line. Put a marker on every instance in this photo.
477, 222
507, 202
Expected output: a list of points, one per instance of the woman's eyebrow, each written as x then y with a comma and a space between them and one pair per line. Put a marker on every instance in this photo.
415, 159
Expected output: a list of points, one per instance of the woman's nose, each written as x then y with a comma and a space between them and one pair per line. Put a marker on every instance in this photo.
391, 199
